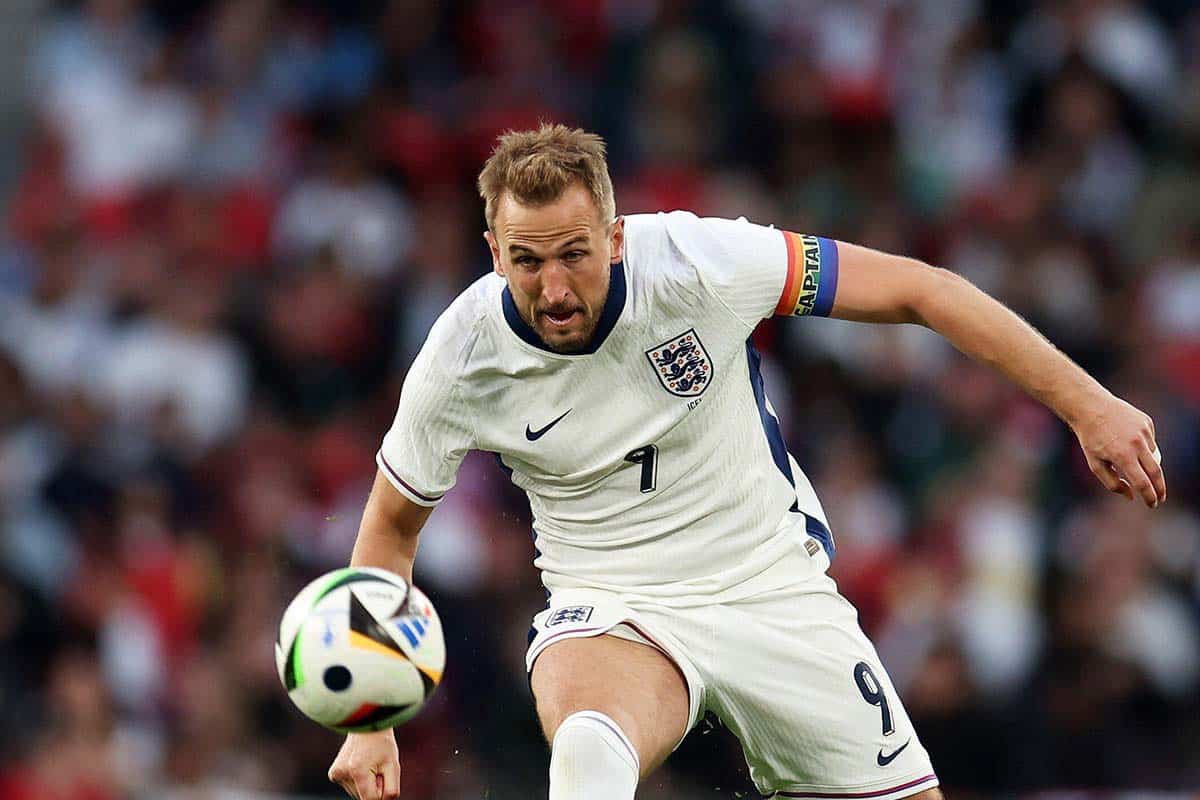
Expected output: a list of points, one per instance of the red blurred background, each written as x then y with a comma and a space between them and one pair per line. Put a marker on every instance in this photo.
228, 226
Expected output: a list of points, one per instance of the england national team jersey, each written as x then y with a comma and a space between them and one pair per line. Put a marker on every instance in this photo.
653, 461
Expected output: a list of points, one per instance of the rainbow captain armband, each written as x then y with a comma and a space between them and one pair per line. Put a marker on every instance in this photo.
812, 273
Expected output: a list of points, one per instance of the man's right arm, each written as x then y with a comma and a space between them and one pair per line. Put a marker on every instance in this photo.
390, 527
418, 462
368, 765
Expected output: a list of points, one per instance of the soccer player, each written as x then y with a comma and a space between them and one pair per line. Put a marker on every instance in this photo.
607, 361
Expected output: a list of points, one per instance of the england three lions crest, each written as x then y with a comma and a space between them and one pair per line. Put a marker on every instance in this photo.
682, 364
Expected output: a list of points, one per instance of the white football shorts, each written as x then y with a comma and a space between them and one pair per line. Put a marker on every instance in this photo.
787, 669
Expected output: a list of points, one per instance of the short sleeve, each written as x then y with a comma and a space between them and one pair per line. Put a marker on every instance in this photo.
759, 271
431, 433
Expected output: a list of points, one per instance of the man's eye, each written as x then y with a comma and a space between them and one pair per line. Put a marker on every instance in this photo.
573, 255
526, 261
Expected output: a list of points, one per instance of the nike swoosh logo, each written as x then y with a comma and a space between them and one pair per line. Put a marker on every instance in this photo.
883, 760
533, 436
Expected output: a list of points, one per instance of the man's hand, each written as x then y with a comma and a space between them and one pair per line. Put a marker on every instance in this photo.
368, 766
1118, 441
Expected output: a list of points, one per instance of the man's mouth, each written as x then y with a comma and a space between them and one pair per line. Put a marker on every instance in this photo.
560, 319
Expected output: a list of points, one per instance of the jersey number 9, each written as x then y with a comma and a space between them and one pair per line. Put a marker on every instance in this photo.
647, 456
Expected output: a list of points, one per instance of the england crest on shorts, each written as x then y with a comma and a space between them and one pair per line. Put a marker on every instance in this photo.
682, 364
570, 614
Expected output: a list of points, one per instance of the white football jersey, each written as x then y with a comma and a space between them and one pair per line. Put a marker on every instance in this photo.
653, 461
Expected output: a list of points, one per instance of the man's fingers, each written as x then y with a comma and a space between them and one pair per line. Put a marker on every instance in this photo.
1105, 473
380, 783
339, 775
364, 785
1154, 471
1136, 475
391, 780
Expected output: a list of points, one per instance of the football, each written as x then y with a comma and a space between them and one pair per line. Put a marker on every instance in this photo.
360, 649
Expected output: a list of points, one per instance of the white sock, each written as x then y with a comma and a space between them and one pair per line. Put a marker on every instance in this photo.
592, 759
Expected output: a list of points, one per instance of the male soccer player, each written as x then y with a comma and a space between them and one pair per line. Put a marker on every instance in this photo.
607, 362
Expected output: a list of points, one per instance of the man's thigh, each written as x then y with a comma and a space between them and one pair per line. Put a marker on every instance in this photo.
635, 684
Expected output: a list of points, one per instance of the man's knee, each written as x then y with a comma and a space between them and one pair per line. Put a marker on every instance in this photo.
554, 711
635, 686
561, 689
592, 759
594, 733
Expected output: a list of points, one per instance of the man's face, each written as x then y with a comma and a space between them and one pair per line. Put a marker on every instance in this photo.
556, 260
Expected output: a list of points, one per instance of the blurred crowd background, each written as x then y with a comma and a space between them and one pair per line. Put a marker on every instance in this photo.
228, 225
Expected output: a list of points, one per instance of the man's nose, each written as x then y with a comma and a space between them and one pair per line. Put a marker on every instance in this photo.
555, 285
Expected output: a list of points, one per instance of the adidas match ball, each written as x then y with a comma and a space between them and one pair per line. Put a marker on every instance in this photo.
360, 649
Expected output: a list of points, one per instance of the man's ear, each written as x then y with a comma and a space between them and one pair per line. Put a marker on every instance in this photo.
494, 246
617, 240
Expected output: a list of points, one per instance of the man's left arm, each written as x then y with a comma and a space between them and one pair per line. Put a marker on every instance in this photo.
1117, 439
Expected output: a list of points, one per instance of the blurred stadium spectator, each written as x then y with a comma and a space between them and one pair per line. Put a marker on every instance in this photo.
235, 220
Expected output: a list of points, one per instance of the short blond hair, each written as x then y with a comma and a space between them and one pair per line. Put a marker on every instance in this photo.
536, 167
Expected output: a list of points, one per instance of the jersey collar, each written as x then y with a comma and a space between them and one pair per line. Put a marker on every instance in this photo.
613, 306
